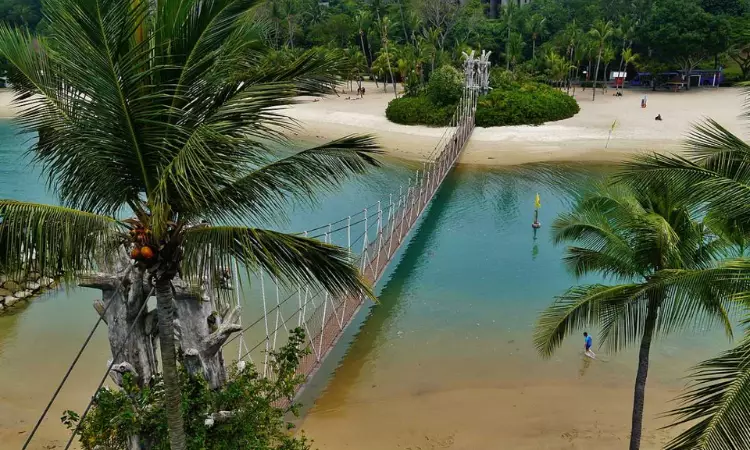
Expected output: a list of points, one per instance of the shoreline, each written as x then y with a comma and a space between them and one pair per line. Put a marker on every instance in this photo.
582, 138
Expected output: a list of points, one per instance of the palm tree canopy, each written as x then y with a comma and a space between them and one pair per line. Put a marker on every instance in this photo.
717, 403
714, 171
601, 31
714, 174
652, 243
169, 111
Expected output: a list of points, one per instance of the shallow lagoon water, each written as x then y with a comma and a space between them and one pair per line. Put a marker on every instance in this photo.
456, 309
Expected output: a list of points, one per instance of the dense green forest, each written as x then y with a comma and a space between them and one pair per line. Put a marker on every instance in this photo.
404, 40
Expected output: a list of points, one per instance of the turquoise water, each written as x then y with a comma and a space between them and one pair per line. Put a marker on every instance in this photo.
457, 310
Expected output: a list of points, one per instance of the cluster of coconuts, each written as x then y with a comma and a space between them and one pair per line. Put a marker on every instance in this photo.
141, 251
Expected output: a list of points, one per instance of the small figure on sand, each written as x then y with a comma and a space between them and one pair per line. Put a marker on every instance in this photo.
588, 342
644, 101
658, 117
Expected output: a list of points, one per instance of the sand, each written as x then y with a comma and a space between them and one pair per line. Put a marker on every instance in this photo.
580, 138
518, 416
7, 109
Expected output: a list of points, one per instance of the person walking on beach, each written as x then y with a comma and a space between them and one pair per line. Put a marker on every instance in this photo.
588, 342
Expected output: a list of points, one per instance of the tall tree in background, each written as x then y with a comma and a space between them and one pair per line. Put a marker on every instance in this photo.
536, 28
600, 32
364, 20
508, 18
739, 44
681, 32
441, 15
385, 24
163, 110
626, 29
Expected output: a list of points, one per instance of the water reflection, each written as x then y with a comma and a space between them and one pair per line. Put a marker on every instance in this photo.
390, 299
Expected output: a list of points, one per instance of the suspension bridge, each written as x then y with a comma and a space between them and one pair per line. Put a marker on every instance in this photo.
374, 235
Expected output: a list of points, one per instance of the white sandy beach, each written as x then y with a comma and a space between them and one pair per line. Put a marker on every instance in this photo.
580, 138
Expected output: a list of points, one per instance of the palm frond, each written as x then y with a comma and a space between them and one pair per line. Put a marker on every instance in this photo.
581, 307
596, 225
717, 173
53, 240
263, 192
291, 259
703, 297
717, 404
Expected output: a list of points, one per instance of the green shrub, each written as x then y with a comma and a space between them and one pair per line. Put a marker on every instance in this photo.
527, 104
445, 86
257, 421
419, 111
507, 79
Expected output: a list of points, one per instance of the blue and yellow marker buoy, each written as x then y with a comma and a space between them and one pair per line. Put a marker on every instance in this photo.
537, 205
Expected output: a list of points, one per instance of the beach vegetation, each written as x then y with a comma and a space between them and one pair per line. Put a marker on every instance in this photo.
514, 100
713, 411
663, 267
445, 86
419, 110
527, 103
153, 122
249, 411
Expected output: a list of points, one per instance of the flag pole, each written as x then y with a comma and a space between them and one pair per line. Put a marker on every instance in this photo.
537, 205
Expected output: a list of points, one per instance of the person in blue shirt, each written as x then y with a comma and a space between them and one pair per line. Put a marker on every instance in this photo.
588, 342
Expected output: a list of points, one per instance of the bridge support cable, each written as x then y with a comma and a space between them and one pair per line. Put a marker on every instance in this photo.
325, 317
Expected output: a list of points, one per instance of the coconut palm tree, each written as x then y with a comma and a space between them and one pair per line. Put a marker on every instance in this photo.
507, 19
536, 27
627, 28
558, 67
571, 36
153, 122
600, 32
385, 25
364, 19
649, 244
432, 37
713, 173
608, 55
515, 49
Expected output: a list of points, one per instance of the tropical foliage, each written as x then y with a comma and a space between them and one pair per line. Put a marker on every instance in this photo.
714, 409
703, 34
251, 409
154, 127
663, 264
526, 103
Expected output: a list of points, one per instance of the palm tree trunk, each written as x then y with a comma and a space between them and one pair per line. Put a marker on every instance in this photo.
403, 22
596, 72
639, 394
571, 51
173, 396
390, 70
507, 49
533, 48
369, 50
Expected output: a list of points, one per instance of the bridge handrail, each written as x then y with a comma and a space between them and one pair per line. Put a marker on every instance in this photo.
383, 230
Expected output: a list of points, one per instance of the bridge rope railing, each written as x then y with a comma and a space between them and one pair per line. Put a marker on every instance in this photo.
373, 237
